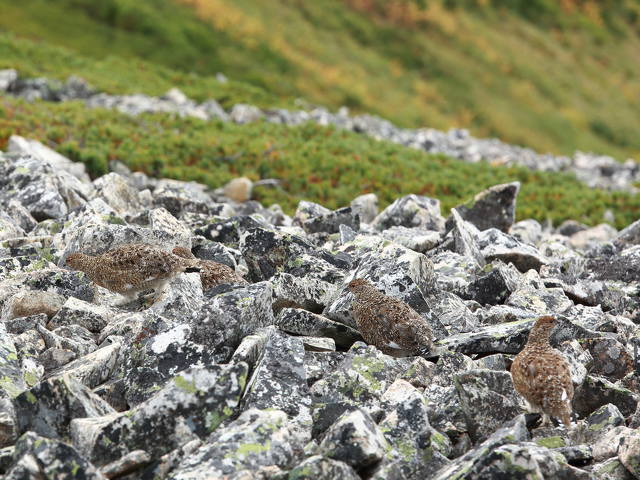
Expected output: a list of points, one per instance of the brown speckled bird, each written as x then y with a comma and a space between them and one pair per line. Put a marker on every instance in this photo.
542, 376
133, 268
212, 273
388, 323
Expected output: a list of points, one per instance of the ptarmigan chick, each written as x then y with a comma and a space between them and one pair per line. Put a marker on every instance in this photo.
133, 268
388, 323
542, 376
212, 273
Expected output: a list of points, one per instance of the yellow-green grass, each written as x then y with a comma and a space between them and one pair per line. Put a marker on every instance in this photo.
525, 71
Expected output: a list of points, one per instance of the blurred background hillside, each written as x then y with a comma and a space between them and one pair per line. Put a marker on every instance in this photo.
555, 75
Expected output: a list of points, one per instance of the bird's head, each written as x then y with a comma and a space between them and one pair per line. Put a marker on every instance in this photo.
77, 261
358, 285
542, 329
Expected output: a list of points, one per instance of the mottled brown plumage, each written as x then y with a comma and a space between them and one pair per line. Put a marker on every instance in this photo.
542, 376
388, 323
130, 269
212, 273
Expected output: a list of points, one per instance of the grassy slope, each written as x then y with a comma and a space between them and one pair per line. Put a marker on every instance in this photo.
554, 88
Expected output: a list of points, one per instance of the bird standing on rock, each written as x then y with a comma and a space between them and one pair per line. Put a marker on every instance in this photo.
541, 375
212, 273
388, 323
132, 268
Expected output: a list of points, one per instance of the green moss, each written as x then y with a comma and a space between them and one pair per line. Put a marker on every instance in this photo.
551, 442
30, 378
186, 385
113, 219
31, 398
12, 357
248, 449
9, 386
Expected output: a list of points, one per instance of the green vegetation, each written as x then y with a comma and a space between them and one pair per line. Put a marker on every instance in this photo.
553, 75
316, 163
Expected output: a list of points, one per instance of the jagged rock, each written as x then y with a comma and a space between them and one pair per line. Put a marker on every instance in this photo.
229, 230
366, 206
307, 293
73, 337
473, 462
268, 252
585, 239
416, 239
354, 439
48, 407
256, 438
526, 231
451, 312
77, 312
22, 324
226, 318
117, 193
488, 399
494, 207
610, 358
465, 238
191, 406
318, 344
610, 443
319, 364
182, 298
302, 322
495, 286
21, 215
361, 378
509, 337
420, 449
611, 469
11, 378
420, 373
411, 211
8, 426
40, 457
454, 272
128, 464
279, 379
605, 418
597, 391
94, 368
8, 228
54, 358
496, 245
330, 222
318, 467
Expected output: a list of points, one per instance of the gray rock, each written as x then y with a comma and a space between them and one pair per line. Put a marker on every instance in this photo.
488, 399
526, 231
256, 438
12, 383
48, 407
94, 368
191, 406
41, 457
8, 427
494, 286
279, 379
451, 311
473, 462
602, 420
318, 467
416, 239
330, 222
494, 207
117, 193
241, 113
597, 391
420, 449
7, 77
496, 245
366, 206
411, 211
78, 312
310, 294
354, 439
226, 318
128, 464
302, 322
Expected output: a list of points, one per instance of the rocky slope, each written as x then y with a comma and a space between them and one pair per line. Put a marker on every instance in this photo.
272, 380
597, 171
